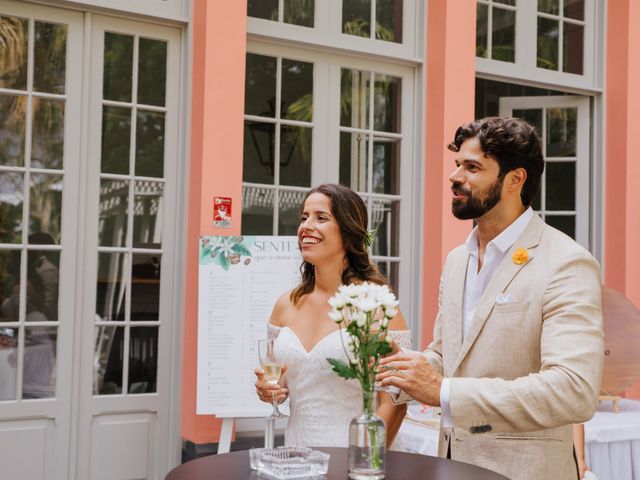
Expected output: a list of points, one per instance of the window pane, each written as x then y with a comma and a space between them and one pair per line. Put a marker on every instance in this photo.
547, 43
564, 223
354, 158
574, 9
531, 115
299, 12
267, 9
150, 144
572, 48
503, 35
148, 215
49, 59
549, 6
45, 205
482, 23
289, 211
152, 71
145, 287
259, 150
113, 270
43, 271
561, 186
561, 132
260, 85
354, 98
505, 2
297, 90
386, 103
47, 144
118, 67
107, 363
390, 270
116, 140
389, 20
38, 375
11, 199
356, 17
295, 156
13, 55
385, 220
386, 165
257, 211
143, 359
10, 290
114, 202
13, 110
9, 371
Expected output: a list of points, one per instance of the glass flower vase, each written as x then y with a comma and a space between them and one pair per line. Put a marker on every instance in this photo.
367, 442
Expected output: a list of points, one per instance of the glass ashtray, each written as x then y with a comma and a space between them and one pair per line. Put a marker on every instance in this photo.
289, 462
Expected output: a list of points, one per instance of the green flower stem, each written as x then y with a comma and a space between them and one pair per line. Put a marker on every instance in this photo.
374, 454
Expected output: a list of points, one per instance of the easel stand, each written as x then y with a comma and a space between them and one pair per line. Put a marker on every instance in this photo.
224, 445
269, 432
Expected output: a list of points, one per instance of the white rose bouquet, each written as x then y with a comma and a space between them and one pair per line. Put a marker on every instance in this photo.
364, 311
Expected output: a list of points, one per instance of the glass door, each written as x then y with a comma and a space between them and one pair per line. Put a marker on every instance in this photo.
563, 125
40, 85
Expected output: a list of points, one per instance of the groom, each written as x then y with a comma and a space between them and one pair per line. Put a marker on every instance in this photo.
518, 344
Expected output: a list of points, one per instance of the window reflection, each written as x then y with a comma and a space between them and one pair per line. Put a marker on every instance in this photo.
108, 360
14, 52
143, 360
148, 216
38, 374
8, 370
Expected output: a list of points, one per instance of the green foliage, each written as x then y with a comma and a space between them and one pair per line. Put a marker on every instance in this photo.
343, 369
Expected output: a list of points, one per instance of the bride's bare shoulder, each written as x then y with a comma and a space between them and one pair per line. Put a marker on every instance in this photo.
283, 310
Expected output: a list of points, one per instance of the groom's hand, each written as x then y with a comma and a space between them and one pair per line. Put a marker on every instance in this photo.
413, 373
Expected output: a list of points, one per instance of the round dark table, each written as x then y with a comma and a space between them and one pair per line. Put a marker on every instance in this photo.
235, 465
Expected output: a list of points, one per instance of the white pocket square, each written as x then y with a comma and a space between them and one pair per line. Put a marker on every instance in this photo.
504, 298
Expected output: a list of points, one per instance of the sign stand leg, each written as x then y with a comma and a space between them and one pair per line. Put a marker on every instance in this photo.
269, 432
224, 444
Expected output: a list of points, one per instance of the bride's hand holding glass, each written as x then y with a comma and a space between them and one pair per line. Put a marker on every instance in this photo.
268, 375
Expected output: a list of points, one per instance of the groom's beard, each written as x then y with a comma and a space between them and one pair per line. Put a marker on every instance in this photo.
475, 206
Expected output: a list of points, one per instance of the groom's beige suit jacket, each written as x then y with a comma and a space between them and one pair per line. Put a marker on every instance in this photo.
531, 362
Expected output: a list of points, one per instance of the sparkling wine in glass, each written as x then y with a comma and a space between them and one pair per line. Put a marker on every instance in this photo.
272, 369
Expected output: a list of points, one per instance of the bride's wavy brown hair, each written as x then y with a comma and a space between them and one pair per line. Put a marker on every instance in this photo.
350, 213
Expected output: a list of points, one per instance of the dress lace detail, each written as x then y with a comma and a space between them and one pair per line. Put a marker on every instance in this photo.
322, 404
401, 337
272, 331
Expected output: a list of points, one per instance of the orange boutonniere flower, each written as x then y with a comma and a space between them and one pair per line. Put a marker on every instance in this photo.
520, 256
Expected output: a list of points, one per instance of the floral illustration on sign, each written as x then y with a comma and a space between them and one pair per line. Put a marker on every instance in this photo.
225, 251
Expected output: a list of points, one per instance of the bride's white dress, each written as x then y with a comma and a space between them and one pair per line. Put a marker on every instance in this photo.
322, 404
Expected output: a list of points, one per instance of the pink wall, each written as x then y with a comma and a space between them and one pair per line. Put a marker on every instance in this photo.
450, 94
622, 217
219, 49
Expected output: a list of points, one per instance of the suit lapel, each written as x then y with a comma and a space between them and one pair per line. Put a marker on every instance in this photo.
454, 291
502, 277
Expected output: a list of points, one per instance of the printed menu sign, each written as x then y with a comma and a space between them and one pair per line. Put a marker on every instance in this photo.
240, 279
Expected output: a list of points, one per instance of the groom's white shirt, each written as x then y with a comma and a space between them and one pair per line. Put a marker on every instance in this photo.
476, 282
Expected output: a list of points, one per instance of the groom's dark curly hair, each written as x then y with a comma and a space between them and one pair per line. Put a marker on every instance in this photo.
513, 142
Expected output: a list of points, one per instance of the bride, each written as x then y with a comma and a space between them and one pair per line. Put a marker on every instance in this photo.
332, 236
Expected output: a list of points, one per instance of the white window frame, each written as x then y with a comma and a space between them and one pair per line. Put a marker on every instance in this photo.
326, 149
176, 10
525, 67
327, 33
582, 158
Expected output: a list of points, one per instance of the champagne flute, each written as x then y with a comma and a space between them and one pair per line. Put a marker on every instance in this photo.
272, 370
